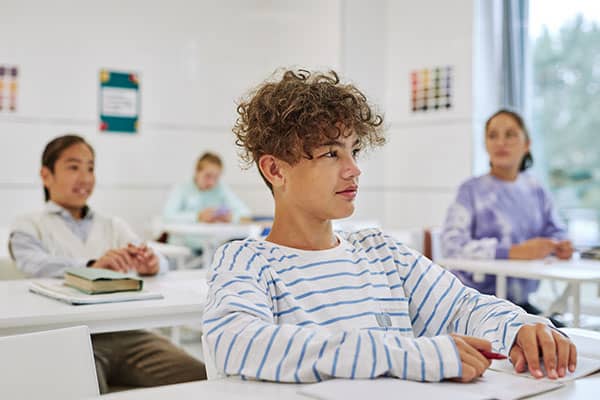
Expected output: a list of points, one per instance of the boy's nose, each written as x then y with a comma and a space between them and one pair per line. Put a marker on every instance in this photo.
353, 169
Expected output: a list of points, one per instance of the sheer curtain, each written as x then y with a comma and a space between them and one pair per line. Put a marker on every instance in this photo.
514, 39
502, 69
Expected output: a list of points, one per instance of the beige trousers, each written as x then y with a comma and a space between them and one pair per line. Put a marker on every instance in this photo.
139, 359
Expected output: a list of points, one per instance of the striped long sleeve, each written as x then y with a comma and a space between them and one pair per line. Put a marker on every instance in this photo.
368, 308
439, 304
245, 338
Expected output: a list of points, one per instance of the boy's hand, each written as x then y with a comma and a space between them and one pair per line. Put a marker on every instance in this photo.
116, 260
532, 249
147, 262
540, 341
564, 249
474, 363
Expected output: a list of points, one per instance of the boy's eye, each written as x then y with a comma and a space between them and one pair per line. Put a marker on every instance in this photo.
331, 154
355, 153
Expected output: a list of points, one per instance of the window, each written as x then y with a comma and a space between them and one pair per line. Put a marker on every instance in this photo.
565, 54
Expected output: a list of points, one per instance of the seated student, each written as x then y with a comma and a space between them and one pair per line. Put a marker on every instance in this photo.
205, 198
67, 233
505, 214
308, 304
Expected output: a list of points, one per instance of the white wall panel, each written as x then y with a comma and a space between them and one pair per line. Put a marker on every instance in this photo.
196, 59
428, 155
415, 209
429, 34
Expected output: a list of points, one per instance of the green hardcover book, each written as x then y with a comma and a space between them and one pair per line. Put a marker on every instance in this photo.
97, 280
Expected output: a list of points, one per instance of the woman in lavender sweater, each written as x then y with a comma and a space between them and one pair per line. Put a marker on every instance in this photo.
505, 214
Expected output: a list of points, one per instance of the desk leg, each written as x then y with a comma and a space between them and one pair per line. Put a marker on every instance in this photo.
179, 262
576, 304
209, 252
501, 286
176, 335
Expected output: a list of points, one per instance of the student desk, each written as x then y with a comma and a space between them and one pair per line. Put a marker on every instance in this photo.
183, 303
212, 235
220, 389
574, 272
234, 388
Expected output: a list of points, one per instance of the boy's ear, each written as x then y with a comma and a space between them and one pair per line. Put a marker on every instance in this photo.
270, 167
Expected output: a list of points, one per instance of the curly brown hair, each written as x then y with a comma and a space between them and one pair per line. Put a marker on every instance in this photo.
290, 117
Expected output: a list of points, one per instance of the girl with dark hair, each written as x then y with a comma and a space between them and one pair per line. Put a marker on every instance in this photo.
52, 153
67, 233
505, 214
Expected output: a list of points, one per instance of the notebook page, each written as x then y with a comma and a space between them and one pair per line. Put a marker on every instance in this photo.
585, 366
493, 385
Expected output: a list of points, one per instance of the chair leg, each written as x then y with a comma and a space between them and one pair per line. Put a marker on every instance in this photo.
560, 305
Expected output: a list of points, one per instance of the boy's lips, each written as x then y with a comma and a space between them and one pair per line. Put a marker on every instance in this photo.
349, 192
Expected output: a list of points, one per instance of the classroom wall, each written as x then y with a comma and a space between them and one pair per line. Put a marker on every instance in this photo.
429, 154
195, 59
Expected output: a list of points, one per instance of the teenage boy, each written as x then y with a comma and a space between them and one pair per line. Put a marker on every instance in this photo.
308, 303
69, 234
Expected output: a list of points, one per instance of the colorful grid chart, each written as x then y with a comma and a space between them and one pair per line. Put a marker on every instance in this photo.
431, 89
9, 75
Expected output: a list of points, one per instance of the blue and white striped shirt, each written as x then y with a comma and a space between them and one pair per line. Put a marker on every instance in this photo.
369, 307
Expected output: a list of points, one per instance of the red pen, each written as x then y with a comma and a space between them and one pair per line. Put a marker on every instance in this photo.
492, 356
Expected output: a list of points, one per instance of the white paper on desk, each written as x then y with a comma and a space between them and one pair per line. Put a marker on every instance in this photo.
58, 291
585, 366
493, 385
194, 286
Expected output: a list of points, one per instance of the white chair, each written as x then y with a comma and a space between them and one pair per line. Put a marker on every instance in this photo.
211, 368
178, 253
8, 269
57, 364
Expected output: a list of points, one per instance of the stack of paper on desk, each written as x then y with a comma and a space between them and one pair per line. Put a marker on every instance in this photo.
57, 290
501, 382
493, 385
585, 366
588, 361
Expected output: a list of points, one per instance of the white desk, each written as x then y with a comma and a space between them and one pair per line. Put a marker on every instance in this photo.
212, 235
178, 253
184, 298
220, 389
574, 272
234, 388
216, 231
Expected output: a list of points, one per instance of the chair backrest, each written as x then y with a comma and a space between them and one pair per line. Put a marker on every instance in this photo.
57, 364
211, 368
8, 269
432, 243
